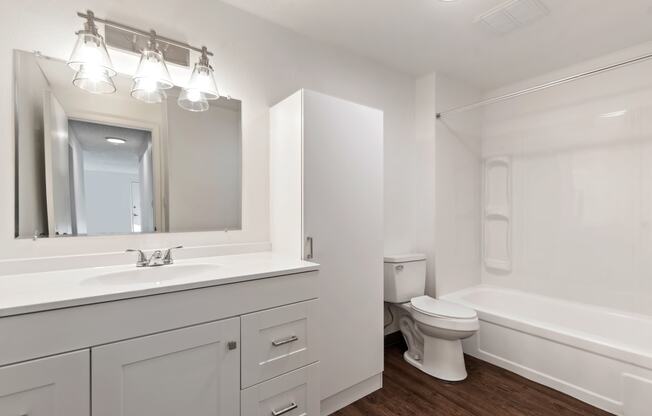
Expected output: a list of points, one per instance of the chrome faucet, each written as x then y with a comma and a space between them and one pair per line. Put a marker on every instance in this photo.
167, 257
158, 258
142, 259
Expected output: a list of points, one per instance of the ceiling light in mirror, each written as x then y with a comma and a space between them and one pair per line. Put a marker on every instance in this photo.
115, 140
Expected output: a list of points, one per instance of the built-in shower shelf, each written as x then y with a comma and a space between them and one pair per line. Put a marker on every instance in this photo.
497, 212
496, 264
498, 161
496, 224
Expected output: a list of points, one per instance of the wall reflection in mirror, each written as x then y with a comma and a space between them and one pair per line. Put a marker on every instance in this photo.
96, 164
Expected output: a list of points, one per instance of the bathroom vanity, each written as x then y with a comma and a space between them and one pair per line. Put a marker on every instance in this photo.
232, 335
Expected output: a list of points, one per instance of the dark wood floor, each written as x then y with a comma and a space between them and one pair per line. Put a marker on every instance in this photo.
488, 391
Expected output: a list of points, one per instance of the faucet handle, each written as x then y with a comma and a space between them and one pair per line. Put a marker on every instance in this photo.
167, 257
142, 259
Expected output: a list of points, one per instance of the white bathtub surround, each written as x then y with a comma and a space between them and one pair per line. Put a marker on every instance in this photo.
598, 355
432, 328
580, 176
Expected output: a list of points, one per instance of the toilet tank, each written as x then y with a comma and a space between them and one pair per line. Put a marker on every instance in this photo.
405, 277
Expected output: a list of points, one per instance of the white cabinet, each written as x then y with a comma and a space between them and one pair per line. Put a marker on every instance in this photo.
190, 371
292, 394
170, 354
53, 386
326, 173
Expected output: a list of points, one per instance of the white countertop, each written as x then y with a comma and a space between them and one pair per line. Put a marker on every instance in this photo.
35, 292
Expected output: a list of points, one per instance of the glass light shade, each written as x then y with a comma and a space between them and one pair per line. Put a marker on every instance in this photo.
202, 80
147, 90
95, 79
152, 67
193, 100
90, 50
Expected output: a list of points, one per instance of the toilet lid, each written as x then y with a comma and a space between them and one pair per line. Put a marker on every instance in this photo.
436, 307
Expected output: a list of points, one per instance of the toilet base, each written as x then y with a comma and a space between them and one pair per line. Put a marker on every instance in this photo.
442, 359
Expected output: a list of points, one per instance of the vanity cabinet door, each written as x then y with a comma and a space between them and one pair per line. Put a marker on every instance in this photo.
190, 371
53, 386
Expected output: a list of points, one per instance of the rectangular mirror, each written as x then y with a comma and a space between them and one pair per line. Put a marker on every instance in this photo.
101, 164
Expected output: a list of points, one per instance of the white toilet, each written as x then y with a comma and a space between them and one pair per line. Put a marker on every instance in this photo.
433, 329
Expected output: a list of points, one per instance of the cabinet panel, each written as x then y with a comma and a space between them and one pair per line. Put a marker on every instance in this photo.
278, 340
190, 371
54, 386
292, 394
343, 215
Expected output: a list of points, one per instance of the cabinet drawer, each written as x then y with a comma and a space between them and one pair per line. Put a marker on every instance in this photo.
53, 386
292, 394
278, 340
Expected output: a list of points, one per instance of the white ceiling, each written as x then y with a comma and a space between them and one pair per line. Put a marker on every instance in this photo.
420, 36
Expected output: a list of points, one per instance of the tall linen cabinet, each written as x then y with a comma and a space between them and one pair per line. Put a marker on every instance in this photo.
326, 193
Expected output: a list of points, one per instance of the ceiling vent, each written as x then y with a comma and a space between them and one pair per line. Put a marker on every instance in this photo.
512, 15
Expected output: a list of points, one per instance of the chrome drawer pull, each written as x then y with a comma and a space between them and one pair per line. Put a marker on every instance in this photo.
284, 341
283, 411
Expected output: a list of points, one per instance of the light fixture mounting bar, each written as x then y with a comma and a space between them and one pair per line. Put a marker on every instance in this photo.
144, 33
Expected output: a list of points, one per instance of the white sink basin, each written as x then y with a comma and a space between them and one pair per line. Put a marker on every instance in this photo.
156, 274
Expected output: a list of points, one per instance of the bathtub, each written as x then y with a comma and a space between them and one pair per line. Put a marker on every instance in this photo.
598, 355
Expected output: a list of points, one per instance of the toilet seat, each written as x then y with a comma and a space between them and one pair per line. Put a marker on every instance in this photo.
441, 314
441, 308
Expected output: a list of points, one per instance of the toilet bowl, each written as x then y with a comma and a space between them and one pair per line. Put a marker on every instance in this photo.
433, 329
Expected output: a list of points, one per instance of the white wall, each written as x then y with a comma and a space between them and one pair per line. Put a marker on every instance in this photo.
582, 185
256, 62
458, 179
424, 166
448, 172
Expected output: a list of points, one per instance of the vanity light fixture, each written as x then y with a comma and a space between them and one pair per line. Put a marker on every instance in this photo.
201, 87
91, 60
94, 69
152, 77
202, 77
